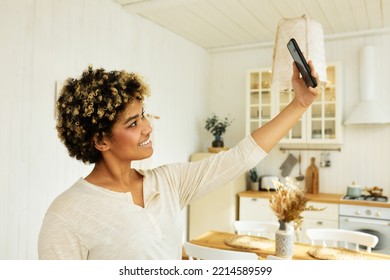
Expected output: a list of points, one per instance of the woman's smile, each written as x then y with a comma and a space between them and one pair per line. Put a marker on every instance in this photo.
147, 142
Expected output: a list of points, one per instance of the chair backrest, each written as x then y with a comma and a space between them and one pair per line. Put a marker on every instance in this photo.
206, 253
256, 228
342, 238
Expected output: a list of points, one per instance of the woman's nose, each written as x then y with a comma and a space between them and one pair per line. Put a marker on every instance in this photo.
147, 128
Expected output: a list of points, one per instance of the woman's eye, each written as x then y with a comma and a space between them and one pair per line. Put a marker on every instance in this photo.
135, 122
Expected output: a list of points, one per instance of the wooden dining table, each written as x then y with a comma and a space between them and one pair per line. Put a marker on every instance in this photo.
216, 239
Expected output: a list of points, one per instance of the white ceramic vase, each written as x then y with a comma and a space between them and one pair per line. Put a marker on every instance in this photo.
284, 240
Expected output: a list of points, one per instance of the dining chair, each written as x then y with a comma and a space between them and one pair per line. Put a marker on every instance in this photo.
348, 239
206, 253
256, 228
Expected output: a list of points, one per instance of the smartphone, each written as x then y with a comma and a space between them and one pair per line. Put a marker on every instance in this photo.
301, 63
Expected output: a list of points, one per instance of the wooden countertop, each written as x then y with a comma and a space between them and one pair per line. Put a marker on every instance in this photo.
215, 239
321, 197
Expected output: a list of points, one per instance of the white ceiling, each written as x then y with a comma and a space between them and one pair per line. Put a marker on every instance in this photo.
216, 24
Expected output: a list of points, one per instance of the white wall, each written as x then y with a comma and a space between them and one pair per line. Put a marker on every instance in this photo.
365, 153
42, 41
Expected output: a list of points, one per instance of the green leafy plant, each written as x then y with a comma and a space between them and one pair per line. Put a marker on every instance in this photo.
216, 126
253, 175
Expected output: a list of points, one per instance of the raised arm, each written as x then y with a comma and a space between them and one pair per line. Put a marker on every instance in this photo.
268, 135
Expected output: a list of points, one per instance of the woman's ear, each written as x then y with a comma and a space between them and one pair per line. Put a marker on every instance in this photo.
102, 145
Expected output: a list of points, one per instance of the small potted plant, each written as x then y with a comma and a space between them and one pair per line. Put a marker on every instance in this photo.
253, 179
217, 127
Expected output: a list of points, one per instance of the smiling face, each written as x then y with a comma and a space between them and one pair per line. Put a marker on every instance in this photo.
131, 135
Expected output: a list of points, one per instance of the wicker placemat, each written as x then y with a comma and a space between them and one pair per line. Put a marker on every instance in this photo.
249, 242
329, 253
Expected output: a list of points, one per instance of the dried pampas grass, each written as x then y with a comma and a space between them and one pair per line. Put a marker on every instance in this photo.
289, 201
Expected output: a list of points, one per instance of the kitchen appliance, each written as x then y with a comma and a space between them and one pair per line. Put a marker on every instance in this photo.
369, 219
369, 110
367, 198
266, 183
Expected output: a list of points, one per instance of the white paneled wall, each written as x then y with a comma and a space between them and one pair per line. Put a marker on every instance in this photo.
365, 153
43, 41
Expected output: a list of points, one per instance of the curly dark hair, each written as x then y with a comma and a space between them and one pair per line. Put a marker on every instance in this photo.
88, 108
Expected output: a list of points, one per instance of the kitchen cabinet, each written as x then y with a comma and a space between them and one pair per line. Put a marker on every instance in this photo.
321, 124
216, 211
254, 206
327, 218
256, 209
260, 99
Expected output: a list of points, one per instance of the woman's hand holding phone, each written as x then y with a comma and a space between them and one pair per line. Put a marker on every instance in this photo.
301, 63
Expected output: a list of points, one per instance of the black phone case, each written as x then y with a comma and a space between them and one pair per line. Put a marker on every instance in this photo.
301, 63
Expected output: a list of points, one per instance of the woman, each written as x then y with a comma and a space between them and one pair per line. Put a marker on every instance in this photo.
120, 213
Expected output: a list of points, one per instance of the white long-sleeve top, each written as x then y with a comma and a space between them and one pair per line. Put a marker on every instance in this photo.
90, 222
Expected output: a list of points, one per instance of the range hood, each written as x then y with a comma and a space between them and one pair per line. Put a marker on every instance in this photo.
369, 110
